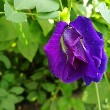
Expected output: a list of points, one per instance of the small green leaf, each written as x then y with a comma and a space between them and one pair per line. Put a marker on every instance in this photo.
49, 86
4, 84
24, 4
7, 105
17, 90
20, 98
9, 77
5, 45
44, 24
104, 11
31, 85
27, 48
81, 9
13, 15
3, 92
12, 98
77, 104
48, 15
6, 30
63, 103
5, 60
37, 76
46, 105
32, 96
46, 5
41, 96
67, 89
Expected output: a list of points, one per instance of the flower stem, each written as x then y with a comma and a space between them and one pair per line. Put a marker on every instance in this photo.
98, 98
105, 75
61, 5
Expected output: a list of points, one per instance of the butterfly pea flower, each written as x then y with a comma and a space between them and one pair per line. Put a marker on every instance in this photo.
76, 50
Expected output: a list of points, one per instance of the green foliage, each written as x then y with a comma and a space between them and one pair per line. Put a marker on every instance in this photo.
24, 4
105, 12
25, 27
46, 6
13, 15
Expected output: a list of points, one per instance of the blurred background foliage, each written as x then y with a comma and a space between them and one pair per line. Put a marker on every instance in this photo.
25, 80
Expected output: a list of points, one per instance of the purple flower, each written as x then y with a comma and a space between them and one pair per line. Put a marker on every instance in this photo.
81, 55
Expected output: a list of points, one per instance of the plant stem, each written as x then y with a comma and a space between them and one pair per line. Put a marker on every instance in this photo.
97, 94
61, 5
105, 75
31, 14
2, 12
22, 12
69, 5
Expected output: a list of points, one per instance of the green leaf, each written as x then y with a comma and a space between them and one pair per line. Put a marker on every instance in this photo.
77, 104
17, 90
46, 105
3, 92
49, 86
101, 27
53, 105
9, 77
108, 67
31, 85
66, 89
36, 32
104, 11
44, 24
6, 30
13, 15
24, 4
46, 5
5, 45
5, 60
108, 1
1, 108
8, 105
20, 98
90, 93
12, 98
4, 84
32, 96
63, 103
27, 48
37, 76
41, 96
48, 15
81, 9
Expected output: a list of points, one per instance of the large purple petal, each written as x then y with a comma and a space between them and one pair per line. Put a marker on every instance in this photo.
100, 70
71, 74
91, 39
57, 59
76, 50
56, 56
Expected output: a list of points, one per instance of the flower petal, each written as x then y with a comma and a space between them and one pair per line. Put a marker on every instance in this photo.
100, 70
71, 74
91, 39
57, 59
56, 56
74, 46
103, 65
87, 80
